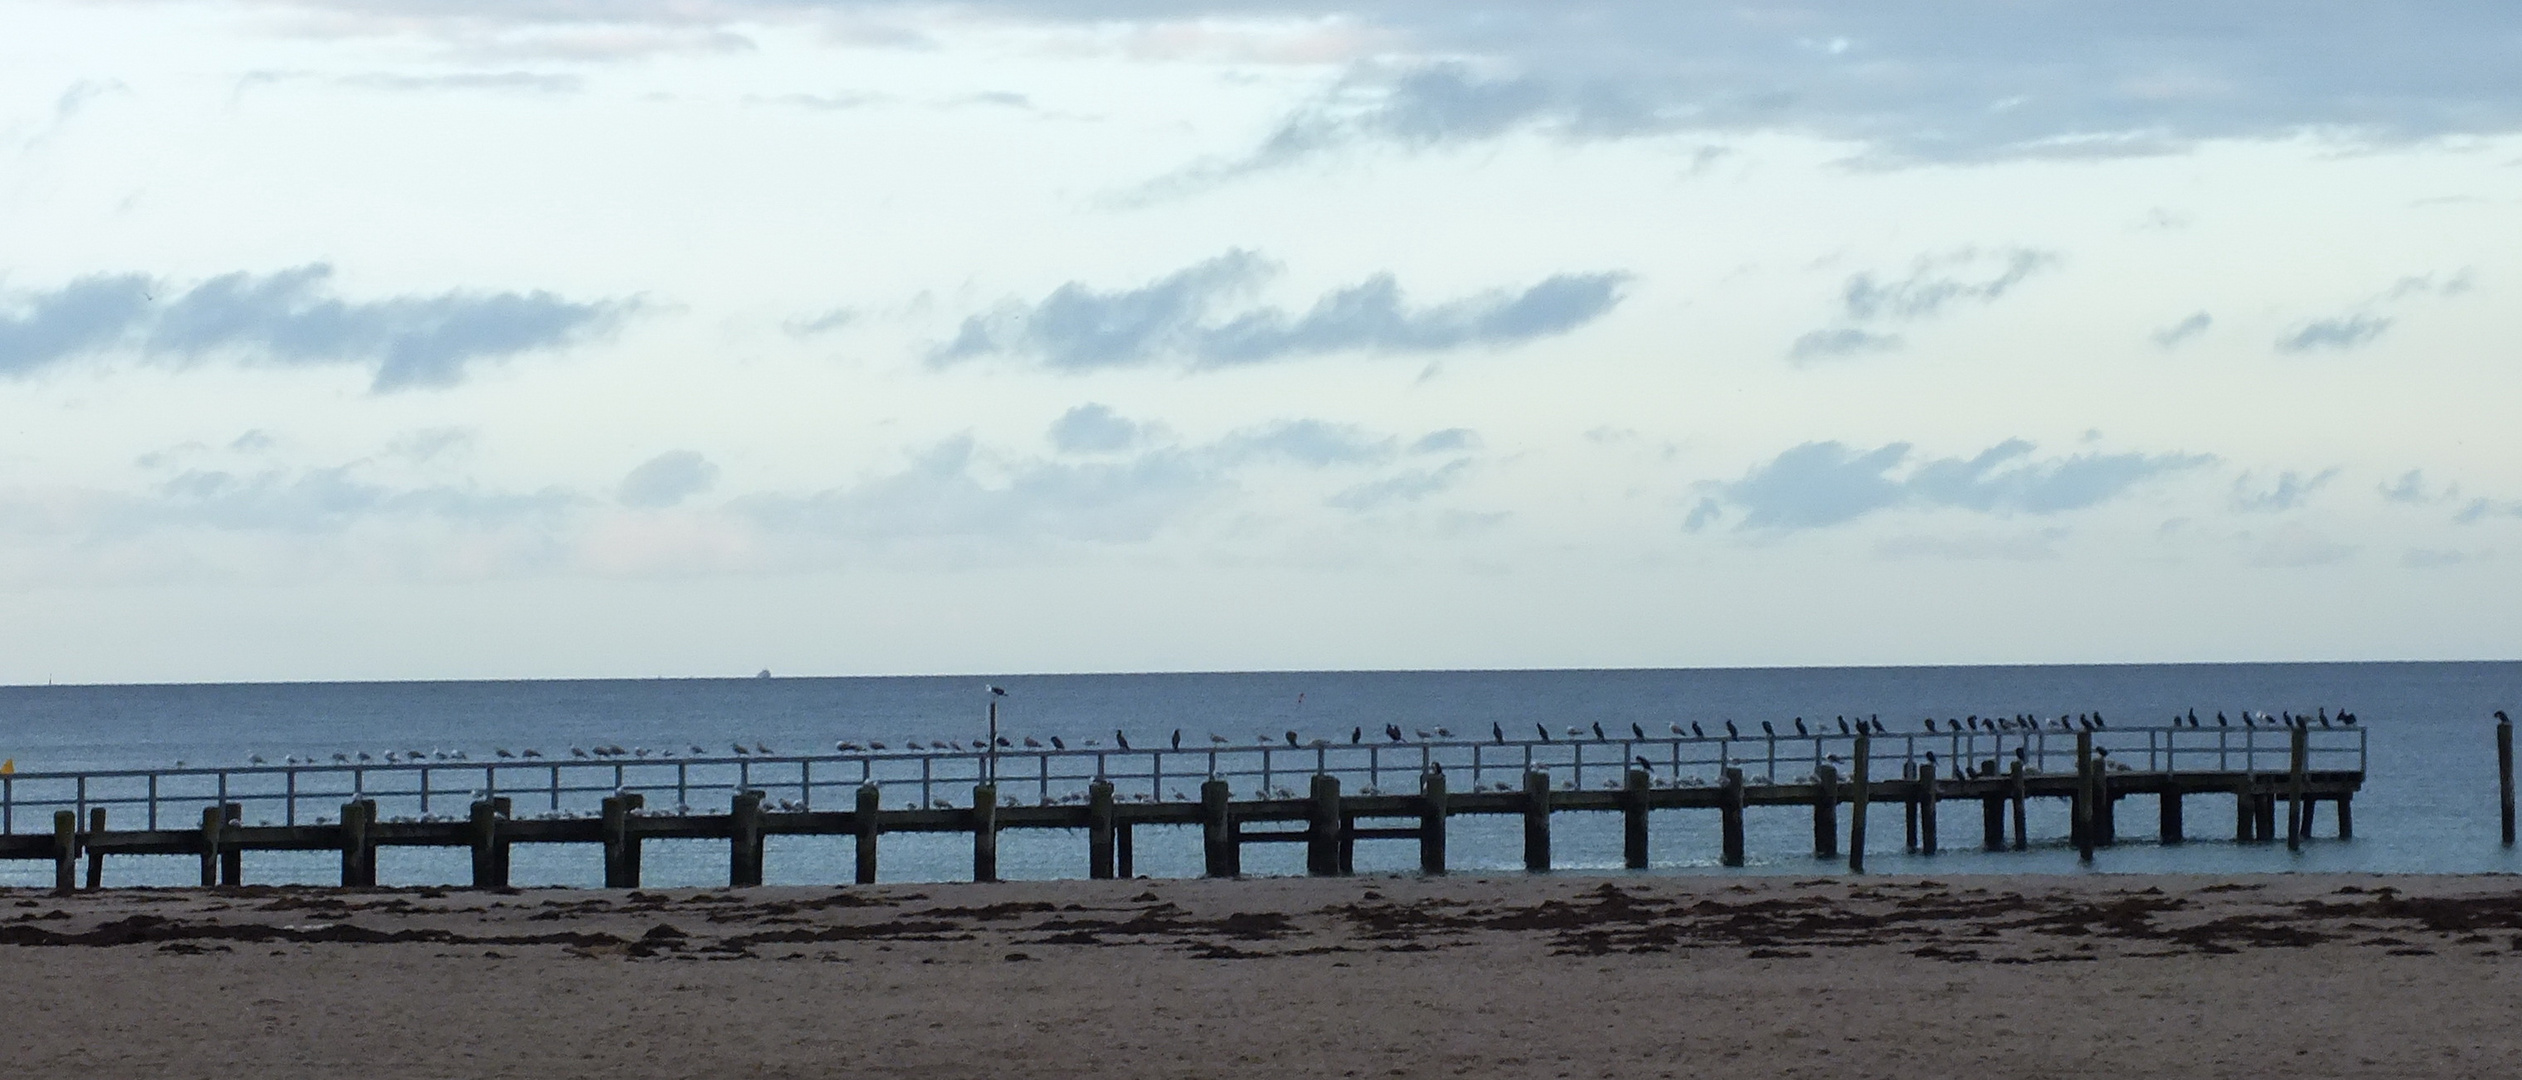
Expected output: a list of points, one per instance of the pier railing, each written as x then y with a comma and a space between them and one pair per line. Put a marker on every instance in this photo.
933, 779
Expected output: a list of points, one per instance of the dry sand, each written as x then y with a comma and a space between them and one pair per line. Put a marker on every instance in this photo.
2117, 976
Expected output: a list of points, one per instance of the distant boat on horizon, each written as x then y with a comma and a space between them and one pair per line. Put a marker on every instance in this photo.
762, 674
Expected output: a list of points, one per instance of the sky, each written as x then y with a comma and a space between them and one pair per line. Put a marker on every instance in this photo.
386, 339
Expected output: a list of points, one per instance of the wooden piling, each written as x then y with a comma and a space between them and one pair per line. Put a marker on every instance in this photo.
1992, 822
211, 824
621, 845
65, 850
2168, 828
1928, 796
2242, 809
985, 832
1099, 830
1221, 855
500, 848
1322, 826
1826, 812
2105, 805
1124, 853
745, 840
1432, 813
1537, 822
2298, 773
96, 858
2264, 810
1730, 805
1858, 798
2084, 824
867, 821
1633, 819
1909, 805
359, 844
2346, 816
2018, 791
2504, 776
231, 857
484, 819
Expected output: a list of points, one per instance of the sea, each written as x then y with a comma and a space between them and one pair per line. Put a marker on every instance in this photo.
2429, 805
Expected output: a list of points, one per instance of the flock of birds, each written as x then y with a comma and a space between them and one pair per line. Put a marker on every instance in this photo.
1392, 734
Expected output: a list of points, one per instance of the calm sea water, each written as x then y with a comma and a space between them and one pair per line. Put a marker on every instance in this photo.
2429, 805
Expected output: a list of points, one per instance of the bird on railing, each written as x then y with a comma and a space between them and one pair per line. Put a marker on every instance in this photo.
1575, 731
363, 756
1497, 731
2347, 718
1731, 732
1291, 738
1843, 725
1056, 744
1799, 726
1696, 732
1541, 731
1393, 732
1645, 765
1769, 729
1032, 743
758, 748
1177, 738
502, 752
1357, 735
739, 749
254, 759
1637, 729
1598, 732
1120, 740
1423, 734
874, 745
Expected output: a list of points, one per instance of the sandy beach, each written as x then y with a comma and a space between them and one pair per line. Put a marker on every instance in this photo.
1370, 976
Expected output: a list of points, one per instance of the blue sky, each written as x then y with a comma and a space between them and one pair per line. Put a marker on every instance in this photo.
379, 339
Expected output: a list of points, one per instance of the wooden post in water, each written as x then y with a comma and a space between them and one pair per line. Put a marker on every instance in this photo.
1927, 799
1826, 812
1633, 819
1099, 830
2084, 823
1730, 792
231, 857
359, 844
621, 846
2504, 775
1432, 812
487, 873
96, 858
1218, 848
1909, 803
2264, 808
2298, 768
1992, 822
1537, 822
2242, 800
2346, 816
2105, 804
2018, 791
1322, 826
985, 832
65, 850
866, 820
1858, 799
210, 827
1124, 855
2169, 829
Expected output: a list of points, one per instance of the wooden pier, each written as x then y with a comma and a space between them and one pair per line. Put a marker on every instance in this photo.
1109, 794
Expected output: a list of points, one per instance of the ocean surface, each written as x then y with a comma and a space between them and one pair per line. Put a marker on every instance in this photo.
2429, 804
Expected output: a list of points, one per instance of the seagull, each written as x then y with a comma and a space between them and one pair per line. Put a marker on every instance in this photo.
1032, 743
874, 745
737, 747
363, 756
995, 691
502, 751
1444, 733
1423, 734
256, 759
758, 748
1677, 732
530, 752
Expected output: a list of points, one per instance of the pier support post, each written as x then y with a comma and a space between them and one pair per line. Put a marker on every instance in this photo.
96, 858
1322, 826
2264, 807
621, 845
2085, 826
1221, 857
1432, 812
1537, 822
2504, 776
1826, 812
2298, 769
1859, 797
2018, 791
1992, 822
2169, 830
359, 843
231, 857
1731, 806
1909, 805
65, 850
2105, 805
2346, 816
490, 869
869, 803
1124, 853
1633, 820
985, 832
211, 822
1099, 830
1928, 796
2242, 810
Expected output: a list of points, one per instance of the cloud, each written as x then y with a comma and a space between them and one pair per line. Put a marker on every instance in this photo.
1410, 486
2411, 489
2430, 558
2169, 336
531, 82
2038, 546
288, 319
2344, 332
1820, 484
1187, 317
2289, 491
824, 323
1091, 429
666, 480
317, 500
1448, 440
1933, 285
2296, 546
1304, 442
